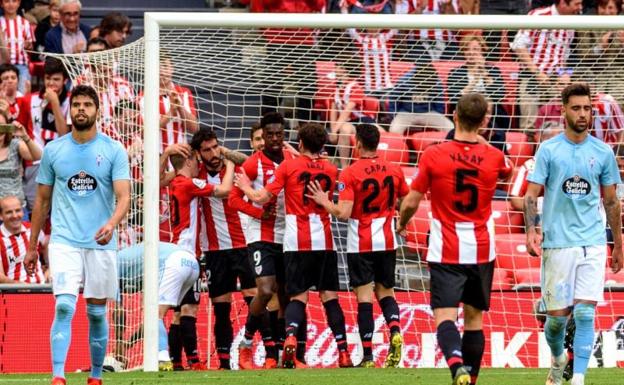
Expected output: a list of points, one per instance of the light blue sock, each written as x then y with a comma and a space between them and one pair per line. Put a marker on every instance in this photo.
98, 337
554, 330
60, 333
163, 343
583, 336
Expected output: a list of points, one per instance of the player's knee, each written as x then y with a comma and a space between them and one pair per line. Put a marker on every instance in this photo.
265, 293
65, 307
96, 313
584, 313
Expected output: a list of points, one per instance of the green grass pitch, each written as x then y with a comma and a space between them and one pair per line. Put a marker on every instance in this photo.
321, 377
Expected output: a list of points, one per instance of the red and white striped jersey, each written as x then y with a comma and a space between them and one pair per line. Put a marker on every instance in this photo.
519, 183
175, 131
184, 210
376, 51
16, 32
462, 178
548, 48
261, 171
14, 108
352, 92
608, 119
374, 186
38, 118
308, 225
431, 7
13, 249
222, 227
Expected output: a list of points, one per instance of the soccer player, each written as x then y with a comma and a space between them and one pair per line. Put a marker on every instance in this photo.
573, 169
309, 255
255, 137
86, 176
178, 271
461, 175
185, 193
368, 194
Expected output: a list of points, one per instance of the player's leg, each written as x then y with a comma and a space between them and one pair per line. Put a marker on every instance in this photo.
324, 268
164, 359
557, 285
588, 291
188, 329
361, 277
221, 284
100, 284
384, 267
66, 274
447, 287
174, 338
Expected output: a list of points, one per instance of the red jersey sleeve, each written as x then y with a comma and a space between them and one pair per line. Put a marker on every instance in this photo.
506, 167
236, 198
357, 96
199, 188
403, 188
24, 114
346, 191
277, 185
422, 181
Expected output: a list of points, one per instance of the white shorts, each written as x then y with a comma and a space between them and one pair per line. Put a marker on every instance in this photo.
72, 266
180, 273
572, 273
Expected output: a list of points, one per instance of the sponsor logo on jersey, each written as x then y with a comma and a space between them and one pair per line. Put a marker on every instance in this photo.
199, 183
576, 187
82, 184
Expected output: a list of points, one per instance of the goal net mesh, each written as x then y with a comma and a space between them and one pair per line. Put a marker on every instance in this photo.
407, 83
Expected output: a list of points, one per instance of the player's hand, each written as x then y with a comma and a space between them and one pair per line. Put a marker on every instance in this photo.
179, 148
104, 234
79, 47
4, 105
30, 261
241, 180
175, 99
617, 260
316, 193
534, 242
269, 210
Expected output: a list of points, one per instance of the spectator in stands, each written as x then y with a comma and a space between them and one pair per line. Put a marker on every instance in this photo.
346, 110
375, 48
599, 53
18, 35
49, 22
9, 94
44, 114
15, 146
498, 40
366, 6
476, 75
115, 28
69, 36
14, 236
418, 101
542, 53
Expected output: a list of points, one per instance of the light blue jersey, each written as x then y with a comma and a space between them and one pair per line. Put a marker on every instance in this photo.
572, 176
83, 198
130, 260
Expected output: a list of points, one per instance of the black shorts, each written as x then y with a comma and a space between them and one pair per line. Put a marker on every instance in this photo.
224, 267
191, 297
267, 259
377, 267
305, 269
452, 284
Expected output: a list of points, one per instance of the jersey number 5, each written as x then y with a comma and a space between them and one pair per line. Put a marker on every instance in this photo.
461, 186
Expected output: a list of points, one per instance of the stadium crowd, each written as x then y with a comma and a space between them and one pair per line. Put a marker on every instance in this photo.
239, 199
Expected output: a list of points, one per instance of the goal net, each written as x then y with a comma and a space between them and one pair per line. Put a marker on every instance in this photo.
405, 78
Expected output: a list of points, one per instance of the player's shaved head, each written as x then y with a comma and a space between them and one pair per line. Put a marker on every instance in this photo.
368, 135
313, 137
471, 110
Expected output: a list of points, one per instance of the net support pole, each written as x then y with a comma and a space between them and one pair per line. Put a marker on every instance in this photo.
151, 196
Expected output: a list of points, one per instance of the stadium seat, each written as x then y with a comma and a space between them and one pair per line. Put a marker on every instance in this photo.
417, 228
529, 277
506, 220
511, 254
392, 148
501, 281
519, 148
421, 140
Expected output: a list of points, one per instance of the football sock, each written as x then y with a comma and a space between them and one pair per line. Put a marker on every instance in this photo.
391, 312
449, 341
295, 313
98, 337
175, 343
60, 333
188, 329
254, 322
302, 338
336, 321
584, 336
267, 336
162, 336
366, 327
473, 344
554, 331
223, 332
281, 333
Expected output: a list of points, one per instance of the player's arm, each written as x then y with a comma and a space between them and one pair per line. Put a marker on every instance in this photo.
408, 208
261, 196
165, 175
223, 190
39, 215
235, 156
341, 210
121, 187
236, 198
614, 219
532, 219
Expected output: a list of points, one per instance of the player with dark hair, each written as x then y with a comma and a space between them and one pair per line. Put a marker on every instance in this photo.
83, 173
461, 175
255, 137
368, 193
309, 254
9, 94
115, 28
574, 169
